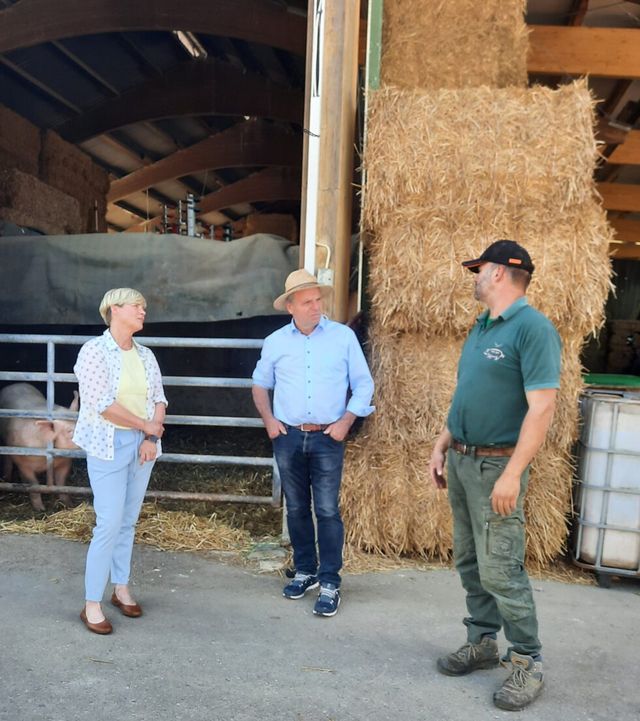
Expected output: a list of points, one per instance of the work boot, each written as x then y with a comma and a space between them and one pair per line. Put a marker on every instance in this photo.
524, 684
470, 657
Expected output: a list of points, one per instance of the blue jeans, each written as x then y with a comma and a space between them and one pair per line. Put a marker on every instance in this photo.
118, 489
310, 465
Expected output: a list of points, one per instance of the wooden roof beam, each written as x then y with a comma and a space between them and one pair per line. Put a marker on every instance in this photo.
577, 12
267, 185
627, 153
248, 144
208, 87
610, 134
602, 52
624, 197
30, 22
626, 230
43, 87
624, 251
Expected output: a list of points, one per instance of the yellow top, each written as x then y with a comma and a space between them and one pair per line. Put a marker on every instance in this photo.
132, 391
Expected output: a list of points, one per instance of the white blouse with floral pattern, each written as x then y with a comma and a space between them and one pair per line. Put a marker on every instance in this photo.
98, 369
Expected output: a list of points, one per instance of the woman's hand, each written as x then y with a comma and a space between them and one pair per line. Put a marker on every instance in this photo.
153, 428
147, 452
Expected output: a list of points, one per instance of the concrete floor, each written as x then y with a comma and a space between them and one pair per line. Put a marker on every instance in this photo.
219, 642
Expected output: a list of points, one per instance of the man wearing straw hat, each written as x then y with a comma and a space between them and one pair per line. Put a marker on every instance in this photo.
508, 376
311, 364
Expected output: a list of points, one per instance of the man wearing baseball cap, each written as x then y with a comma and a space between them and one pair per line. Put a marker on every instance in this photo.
508, 376
321, 383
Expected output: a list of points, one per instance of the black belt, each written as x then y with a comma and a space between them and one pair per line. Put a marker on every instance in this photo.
468, 450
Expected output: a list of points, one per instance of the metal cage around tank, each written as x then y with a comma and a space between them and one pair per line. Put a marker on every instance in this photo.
607, 493
51, 377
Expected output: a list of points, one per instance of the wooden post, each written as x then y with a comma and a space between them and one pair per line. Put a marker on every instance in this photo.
330, 110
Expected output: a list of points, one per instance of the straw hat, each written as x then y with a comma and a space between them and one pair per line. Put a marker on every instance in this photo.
300, 280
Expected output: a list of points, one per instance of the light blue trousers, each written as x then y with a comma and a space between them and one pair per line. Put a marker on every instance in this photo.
118, 491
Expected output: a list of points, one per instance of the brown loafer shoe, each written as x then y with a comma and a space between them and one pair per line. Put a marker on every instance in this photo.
103, 627
132, 610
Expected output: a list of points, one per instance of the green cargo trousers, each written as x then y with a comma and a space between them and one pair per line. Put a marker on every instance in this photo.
488, 550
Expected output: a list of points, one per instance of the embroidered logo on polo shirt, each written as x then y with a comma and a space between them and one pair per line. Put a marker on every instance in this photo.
494, 354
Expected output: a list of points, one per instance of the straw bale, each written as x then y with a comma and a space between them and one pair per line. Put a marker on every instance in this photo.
390, 505
417, 282
564, 427
548, 504
67, 168
370, 524
19, 142
454, 43
25, 200
448, 172
430, 524
414, 379
472, 153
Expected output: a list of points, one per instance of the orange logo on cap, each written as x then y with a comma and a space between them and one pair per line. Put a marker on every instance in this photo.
517, 261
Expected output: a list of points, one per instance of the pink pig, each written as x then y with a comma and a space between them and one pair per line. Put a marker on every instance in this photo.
34, 433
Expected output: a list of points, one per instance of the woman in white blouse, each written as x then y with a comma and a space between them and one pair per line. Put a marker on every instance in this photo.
120, 423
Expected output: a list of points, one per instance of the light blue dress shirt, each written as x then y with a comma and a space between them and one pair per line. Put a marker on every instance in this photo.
311, 374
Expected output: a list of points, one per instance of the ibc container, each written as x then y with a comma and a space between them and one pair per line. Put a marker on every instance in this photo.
607, 493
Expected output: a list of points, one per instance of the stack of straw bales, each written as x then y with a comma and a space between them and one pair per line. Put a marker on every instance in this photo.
47, 183
69, 169
448, 172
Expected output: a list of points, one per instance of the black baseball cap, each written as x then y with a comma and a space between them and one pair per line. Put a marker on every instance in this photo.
503, 252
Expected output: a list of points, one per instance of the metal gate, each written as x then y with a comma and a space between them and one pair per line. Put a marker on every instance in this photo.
51, 377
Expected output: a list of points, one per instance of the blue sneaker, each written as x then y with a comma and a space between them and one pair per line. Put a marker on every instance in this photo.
302, 582
328, 600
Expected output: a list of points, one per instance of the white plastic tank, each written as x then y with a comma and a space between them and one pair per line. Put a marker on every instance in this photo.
607, 536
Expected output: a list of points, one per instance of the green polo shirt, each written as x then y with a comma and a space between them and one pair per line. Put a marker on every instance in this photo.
519, 351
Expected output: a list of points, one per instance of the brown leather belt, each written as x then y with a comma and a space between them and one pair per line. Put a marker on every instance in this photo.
467, 450
312, 427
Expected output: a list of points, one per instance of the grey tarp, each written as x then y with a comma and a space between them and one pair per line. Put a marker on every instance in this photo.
61, 279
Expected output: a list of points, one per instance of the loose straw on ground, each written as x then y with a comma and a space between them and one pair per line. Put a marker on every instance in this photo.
165, 530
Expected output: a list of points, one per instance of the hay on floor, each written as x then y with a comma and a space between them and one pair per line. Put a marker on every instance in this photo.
165, 530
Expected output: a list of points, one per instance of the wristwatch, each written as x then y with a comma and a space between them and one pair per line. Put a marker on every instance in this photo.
152, 438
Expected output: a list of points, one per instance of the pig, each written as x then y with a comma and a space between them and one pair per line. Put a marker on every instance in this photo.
34, 433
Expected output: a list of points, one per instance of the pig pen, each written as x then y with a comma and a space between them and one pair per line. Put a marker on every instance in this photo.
22, 361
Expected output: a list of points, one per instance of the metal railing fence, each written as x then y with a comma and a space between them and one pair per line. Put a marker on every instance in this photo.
51, 377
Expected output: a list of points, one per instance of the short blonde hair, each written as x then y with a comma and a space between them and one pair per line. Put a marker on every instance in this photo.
119, 296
